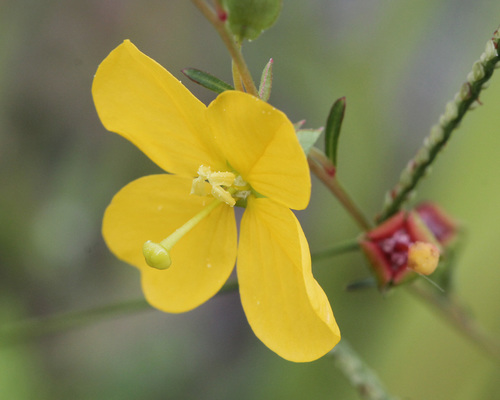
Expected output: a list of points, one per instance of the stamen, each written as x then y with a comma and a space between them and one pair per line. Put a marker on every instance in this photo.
204, 171
241, 184
223, 195
157, 255
221, 178
199, 187
221, 182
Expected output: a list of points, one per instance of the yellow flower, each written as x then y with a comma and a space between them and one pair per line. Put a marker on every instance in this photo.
239, 150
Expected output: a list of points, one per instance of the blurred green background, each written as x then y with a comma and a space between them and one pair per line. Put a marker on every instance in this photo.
397, 63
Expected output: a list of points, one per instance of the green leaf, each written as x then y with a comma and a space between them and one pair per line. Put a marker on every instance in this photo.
308, 137
206, 80
266, 81
248, 18
332, 130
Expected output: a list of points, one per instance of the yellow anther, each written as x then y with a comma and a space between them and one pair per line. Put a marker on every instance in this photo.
199, 187
240, 184
204, 171
223, 195
223, 178
227, 187
423, 258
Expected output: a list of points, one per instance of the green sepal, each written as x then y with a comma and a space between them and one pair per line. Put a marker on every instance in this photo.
241, 203
298, 125
266, 81
206, 80
445, 274
247, 19
308, 137
332, 129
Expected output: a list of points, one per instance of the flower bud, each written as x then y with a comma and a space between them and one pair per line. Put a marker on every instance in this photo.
443, 227
388, 249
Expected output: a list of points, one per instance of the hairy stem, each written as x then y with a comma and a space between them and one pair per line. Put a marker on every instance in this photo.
468, 96
360, 376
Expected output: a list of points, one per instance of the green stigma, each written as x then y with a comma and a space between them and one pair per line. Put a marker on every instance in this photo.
157, 255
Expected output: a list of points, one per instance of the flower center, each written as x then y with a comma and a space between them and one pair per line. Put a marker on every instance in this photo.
225, 187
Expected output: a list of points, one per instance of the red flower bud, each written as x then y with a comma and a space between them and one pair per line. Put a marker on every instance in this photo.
443, 227
387, 247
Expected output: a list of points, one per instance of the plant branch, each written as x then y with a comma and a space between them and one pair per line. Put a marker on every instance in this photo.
33, 328
468, 96
29, 329
360, 376
218, 22
456, 315
340, 248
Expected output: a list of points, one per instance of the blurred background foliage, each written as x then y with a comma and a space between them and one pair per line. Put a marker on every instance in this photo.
397, 63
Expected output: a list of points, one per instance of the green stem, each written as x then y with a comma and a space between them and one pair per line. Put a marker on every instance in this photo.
233, 47
30, 329
22, 331
33, 328
468, 95
341, 248
238, 84
324, 170
358, 373
455, 314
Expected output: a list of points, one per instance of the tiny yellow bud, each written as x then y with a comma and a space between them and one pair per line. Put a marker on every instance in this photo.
156, 255
423, 257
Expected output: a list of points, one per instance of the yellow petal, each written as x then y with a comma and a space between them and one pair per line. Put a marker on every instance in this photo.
153, 207
285, 306
260, 143
137, 98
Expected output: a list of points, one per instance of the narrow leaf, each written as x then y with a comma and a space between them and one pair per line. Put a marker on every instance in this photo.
266, 81
206, 80
332, 130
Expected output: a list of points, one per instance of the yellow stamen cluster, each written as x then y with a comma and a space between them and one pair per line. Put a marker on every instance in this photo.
225, 185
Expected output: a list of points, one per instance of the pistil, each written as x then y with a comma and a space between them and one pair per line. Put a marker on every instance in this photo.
157, 255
